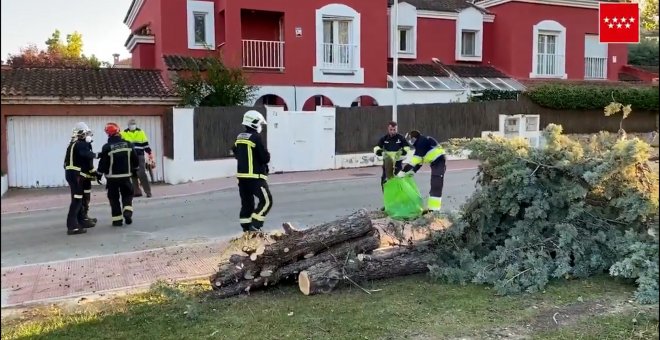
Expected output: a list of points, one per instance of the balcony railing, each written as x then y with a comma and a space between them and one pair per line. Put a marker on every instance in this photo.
263, 54
595, 68
551, 65
338, 57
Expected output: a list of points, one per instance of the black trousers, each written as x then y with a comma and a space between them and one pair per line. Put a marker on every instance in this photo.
120, 195
398, 165
75, 216
250, 215
438, 169
87, 196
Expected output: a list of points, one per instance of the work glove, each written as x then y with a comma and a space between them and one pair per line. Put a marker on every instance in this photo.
401, 174
379, 153
99, 177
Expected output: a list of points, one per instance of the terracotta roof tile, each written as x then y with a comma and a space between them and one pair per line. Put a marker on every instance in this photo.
81, 83
475, 71
422, 70
183, 63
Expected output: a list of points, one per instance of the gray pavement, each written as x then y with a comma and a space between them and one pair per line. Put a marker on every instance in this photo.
40, 236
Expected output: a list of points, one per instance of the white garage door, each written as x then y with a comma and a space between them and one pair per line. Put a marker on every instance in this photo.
37, 144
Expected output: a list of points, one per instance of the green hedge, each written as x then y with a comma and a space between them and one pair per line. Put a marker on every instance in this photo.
489, 95
593, 97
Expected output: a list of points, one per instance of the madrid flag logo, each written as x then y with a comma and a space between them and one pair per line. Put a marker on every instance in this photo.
619, 22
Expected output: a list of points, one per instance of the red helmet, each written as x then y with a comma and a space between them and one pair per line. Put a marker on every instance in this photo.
111, 129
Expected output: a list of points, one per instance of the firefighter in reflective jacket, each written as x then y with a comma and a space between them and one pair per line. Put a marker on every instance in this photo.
428, 151
78, 163
140, 142
119, 162
393, 145
252, 172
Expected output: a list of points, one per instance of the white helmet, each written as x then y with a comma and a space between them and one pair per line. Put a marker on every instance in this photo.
81, 131
254, 119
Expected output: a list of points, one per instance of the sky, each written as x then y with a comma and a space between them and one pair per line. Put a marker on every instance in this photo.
101, 24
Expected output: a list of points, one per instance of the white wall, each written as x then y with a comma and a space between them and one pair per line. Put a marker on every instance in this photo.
183, 168
5, 185
295, 96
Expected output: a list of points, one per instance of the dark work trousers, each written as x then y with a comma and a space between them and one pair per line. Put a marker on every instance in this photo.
248, 188
75, 215
397, 167
87, 196
143, 179
120, 194
438, 169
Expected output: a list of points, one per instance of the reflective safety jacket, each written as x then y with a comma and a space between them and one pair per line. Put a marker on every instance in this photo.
392, 144
118, 158
139, 140
80, 157
427, 151
251, 155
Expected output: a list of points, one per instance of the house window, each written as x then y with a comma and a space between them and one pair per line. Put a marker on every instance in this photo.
337, 45
595, 58
337, 49
406, 40
549, 50
201, 30
469, 43
548, 62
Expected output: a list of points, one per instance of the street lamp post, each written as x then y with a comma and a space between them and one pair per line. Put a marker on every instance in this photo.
395, 61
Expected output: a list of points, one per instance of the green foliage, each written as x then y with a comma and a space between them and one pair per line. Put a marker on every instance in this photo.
492, 94
580, 97
564, 210
649, 15
644, 54
219, 85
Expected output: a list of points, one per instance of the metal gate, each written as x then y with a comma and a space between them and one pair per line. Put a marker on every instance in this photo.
36, 145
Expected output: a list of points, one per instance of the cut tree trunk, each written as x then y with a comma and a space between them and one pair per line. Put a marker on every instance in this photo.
271, 276
383, 263
262, 264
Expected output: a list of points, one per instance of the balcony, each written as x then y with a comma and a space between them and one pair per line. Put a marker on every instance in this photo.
549, 65
263, 54
338, 58
595, 68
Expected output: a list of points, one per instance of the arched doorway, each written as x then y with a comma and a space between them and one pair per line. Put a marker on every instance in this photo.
364, 101
319, 100
271, 100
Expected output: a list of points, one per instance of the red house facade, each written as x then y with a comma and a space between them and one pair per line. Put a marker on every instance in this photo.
303, 54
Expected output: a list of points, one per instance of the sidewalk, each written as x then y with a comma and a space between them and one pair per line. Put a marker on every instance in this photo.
25, 200
44, 282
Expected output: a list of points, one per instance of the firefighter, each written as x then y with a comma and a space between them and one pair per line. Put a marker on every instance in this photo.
427, 151
140, 142
252, 172
87, 175
393, 145
119, 162
78, 162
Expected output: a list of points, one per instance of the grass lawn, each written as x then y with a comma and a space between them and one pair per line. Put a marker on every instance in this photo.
404, 308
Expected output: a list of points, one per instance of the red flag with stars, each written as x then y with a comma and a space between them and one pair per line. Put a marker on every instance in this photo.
619, 22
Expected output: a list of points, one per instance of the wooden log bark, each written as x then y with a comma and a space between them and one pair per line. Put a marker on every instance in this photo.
294, 245
269, 276
386, 263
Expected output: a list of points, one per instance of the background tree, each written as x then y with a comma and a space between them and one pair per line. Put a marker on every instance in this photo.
212, 83
57, 54
645, 53
649, 14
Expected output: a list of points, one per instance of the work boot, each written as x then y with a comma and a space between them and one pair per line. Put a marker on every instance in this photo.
117, 223
148, 195
76, 231
87, 223
128, 216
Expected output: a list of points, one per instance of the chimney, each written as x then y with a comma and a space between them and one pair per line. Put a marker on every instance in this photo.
116, 58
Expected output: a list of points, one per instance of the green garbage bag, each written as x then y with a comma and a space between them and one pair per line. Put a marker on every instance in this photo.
402, 199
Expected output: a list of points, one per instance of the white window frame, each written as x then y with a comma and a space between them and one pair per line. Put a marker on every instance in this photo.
207, 8
410, 40
470, 20
590, 54
355, 75
407, 21
549, 27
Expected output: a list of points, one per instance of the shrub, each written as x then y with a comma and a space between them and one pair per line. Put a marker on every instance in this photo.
592, 97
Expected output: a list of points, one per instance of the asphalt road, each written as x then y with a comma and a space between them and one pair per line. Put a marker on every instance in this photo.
38, 237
